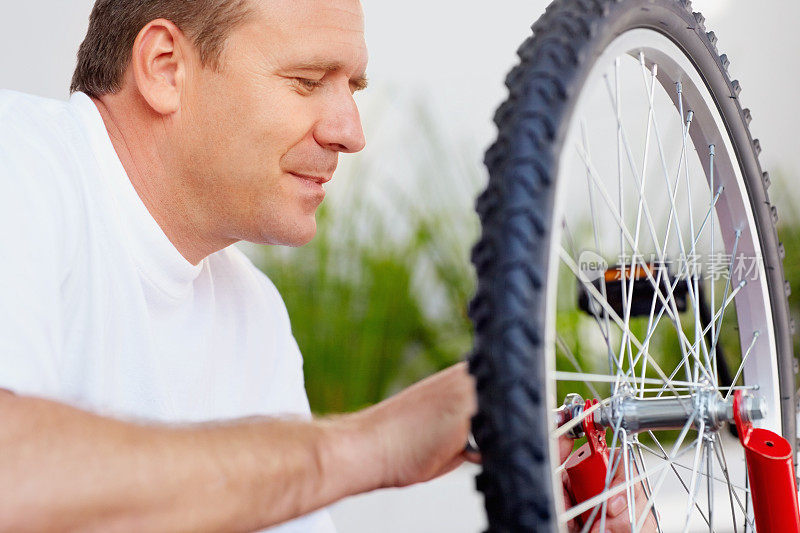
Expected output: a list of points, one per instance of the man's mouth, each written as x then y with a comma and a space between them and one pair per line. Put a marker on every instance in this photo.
316, 178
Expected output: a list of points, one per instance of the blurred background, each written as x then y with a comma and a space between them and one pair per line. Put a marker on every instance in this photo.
378, 300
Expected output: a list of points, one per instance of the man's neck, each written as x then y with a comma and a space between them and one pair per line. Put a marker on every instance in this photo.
157, 181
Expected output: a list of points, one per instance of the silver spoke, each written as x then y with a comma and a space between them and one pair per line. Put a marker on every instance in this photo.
662, 455
744, 360
639, 183
641, 467
603, 331
672, 193
724, 466
719, 313
727, 287
675, 471
626, 463
669, 460
720, 451
709, 483
697, 465
625, 299
711, 153
589, 187
653, 323
686, 121
602, 378
672, 313
611, 313
574, 361
650, 118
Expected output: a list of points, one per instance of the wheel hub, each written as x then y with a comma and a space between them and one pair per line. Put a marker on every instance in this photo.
706, 409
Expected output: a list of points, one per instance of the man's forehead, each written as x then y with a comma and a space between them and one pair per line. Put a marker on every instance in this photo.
288, 16
325, 34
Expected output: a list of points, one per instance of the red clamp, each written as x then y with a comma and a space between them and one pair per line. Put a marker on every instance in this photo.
770, 468
587, 467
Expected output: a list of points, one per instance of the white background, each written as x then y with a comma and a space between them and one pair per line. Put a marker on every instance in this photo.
454, 54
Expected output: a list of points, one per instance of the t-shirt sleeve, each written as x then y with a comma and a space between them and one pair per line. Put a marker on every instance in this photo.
31, 266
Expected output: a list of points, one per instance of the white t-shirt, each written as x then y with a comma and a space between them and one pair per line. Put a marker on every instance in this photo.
99, 310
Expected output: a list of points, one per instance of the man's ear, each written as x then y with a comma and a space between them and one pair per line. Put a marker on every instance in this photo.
159, 62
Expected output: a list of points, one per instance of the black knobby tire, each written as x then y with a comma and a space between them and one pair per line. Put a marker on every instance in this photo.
516, 212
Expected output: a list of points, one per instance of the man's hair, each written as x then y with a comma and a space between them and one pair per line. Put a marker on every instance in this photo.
106, 51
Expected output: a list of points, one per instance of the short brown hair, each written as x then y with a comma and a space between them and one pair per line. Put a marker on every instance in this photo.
106, 51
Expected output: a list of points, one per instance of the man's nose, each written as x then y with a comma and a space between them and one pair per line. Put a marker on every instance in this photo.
340, 129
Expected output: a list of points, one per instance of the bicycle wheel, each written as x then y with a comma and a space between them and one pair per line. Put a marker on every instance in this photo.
628, 253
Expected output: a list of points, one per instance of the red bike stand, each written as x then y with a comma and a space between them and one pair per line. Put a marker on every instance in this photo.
587, 467
770, 468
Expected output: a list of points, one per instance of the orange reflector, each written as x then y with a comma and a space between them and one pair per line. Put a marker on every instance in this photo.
638, 272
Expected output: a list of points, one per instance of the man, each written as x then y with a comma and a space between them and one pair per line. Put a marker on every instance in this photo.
152, 380
193, 125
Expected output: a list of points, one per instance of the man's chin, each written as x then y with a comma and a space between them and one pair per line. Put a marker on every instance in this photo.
294, 237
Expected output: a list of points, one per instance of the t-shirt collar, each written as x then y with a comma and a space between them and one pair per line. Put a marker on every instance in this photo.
156, 256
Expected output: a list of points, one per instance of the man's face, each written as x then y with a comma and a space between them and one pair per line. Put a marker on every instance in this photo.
260, 136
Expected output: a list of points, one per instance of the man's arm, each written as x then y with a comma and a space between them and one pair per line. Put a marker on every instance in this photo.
62, 468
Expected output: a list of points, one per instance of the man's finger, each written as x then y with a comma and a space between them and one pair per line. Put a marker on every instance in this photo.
565, 445
617, 510
449, 467
472, 456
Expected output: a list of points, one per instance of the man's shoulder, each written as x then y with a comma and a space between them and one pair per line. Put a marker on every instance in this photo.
21, 110
13, 99
42, 161
34, 131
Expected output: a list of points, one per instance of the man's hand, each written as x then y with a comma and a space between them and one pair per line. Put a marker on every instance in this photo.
420, 433
617, 519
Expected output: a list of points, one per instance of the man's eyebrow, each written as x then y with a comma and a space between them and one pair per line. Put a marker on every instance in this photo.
359, 83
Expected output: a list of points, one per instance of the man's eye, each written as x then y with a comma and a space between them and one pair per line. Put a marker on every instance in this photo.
309, 84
